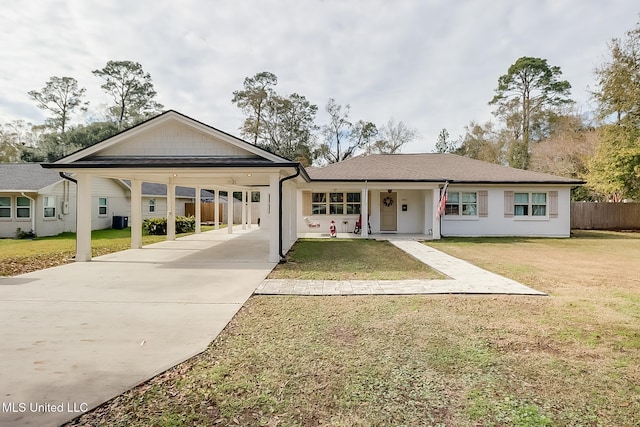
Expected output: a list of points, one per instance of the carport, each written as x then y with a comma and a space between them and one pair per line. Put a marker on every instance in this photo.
176, 150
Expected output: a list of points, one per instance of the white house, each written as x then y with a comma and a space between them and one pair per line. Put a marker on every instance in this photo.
42, 201
401, 193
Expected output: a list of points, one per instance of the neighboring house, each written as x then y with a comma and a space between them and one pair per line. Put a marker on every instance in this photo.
42, 201
403, 196
400, 193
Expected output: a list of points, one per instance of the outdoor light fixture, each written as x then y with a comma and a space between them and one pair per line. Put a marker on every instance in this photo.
389, 191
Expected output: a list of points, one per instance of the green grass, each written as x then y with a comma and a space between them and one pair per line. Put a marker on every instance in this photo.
350, 259
571, 359
23, 255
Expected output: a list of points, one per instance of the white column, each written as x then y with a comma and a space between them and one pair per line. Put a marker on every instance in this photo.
198, 207
274, 220
171, 211
244, 210
364, 210
216, 207
434, 207
229, 211
136, 214
83, 218
249, 213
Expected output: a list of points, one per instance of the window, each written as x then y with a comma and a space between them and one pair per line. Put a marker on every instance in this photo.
102, 206
319, 203
152, 205
49, 204
530, 204
353, 203
5, 207
465, 204
336, 203
23, 207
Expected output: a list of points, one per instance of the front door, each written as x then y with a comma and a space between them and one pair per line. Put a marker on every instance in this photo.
388, 211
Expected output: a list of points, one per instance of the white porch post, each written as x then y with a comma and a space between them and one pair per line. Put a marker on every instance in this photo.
229, 212
364, 210
171, 211
136, 214
83, 219
198, 207
216, 207
244, 210
434, 207
249, 210
274, 218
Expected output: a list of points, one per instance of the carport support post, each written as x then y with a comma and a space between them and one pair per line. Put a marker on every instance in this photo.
249, 205
198, 200
216, 207
274, 218
83, 222
244, 210
171, 208
136, 214
229, 212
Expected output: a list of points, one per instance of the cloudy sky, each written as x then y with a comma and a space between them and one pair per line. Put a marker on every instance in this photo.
432, 64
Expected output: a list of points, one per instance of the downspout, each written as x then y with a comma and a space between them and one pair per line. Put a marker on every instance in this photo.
283, 258
33, 213
65, 176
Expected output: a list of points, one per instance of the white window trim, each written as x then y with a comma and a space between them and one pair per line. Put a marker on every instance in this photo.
10, 207
54, 207
106, 206
531, 217
328, 203
23, 218
460, 216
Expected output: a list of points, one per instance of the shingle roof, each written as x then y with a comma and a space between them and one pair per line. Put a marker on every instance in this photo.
26, 177
433, 167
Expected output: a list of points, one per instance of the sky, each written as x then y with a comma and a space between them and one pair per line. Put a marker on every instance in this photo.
429, 63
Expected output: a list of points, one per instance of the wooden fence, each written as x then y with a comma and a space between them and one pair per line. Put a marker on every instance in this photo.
207, 211
605, 216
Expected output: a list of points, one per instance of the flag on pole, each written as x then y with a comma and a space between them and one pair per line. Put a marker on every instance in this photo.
443, 200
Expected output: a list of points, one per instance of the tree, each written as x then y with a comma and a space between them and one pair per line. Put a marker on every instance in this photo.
524, 97
444, 143
132, 91
60, 96
391, 137
483, 142
342, 138
615, 168
253, 100
289, 125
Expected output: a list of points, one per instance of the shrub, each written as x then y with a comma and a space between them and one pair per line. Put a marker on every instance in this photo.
158, 226
21, 234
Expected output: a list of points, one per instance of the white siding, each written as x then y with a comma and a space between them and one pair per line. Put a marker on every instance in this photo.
173, 139
496, 224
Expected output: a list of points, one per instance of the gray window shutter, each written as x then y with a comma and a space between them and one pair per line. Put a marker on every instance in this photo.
508, 204
483, 203
553, 204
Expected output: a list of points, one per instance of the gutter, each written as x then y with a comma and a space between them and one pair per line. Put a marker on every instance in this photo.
33, 213
283, 258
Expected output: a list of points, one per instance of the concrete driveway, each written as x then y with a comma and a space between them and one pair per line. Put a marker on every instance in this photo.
77, 335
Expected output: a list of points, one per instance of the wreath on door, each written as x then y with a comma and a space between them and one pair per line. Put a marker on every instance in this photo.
388, 201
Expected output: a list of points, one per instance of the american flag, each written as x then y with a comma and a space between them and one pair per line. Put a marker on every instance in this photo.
443, 200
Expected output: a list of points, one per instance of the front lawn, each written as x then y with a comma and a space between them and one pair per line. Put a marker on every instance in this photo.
350, 259
570, 359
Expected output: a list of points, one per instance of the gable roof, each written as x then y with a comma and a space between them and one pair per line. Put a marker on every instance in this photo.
172, 139
26, 177
432, 167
